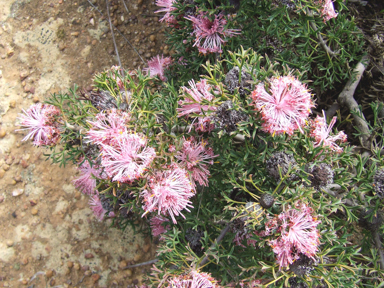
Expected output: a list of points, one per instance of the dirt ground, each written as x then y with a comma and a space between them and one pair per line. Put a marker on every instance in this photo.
50, 237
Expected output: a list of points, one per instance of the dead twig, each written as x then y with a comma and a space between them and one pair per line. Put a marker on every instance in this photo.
113, 34
346, 99
141, 264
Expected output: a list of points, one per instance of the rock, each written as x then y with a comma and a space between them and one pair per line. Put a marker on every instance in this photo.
67, 271
24, 261
146, 248
76, 266
2, 133
32, 90
88, 273
139, 2
122, 264
69, 264
85, 268
24, 163
92, 21
35, 99
9, 243
95, 278
1, 198
137, 257
52, 282
17, 192
6, 167
152, 38
75, 34
49, 273
33, 202
62, 46
94, 42
88, 256
12, 104
77, 195
10, 160
129, 272
2, 173
24, 74
24, 282
34, 211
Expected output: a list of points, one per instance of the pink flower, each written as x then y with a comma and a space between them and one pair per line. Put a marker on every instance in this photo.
298, 234
41, 123
209, 33
285, 107
320, 131
127, 159
97, 207
117, 76
193, 279
169, 192
108, 127
156, 66
327, 10
195, 157
168, 8
86, 182
197, 99
157, 225
203, 124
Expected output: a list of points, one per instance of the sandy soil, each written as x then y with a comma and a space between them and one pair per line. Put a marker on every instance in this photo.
49, 236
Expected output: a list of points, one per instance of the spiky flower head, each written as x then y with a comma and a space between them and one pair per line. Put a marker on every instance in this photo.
40, 120
157, 65
169, 192
210, 34
286, 105
195, 157
321, 132
128, 159
303, 266
279, 164
321, 174
327, 10
97, 207
297, 232
167, 8
157, 225
226, 118
232, 81
193, 279
108, 127
378, 182
86, 182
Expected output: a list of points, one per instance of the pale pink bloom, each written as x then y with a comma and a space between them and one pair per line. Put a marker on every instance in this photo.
172, 148
169, 192
41, 122
127, 159
195, 158
197, 98
285, 107
157, 65
194, 279
108, 127
327, 10
241, 235
157, 226
203, 124
86, 182
298, 234
167, 8
210, 35
97, 207
320, 131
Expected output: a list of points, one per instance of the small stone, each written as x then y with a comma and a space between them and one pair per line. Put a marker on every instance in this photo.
24, 74
9, 160
17, 192
1, 198
75, 34
52, 282
95, 278
49, 273
135, 281
92, 21
34, 211
9, 243
6, 167
35, 99
152, 38
122, 264
67, 271
85, 268
88, 256
2, 173
69, 264
88, 273
137, 257
27, 88
24, 282
33, 202
146, 248
128, 272
139, 2
32, 90
77, 195
12, 104
2, 133
24, 163
24, 261
10, 52
94, 42
62, 46
76, 266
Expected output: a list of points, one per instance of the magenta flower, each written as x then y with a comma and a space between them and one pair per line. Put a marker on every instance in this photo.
298, 234
320, 131
209, 34
108, 127
285, 107
157, 65
197, 99
157, 226
86, 182
194, 279
41, 122
97, 207
195, 158
167, 8
169, 192
128, 159
327, 10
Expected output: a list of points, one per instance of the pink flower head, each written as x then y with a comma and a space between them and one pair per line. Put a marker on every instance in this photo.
209, 34
97, 207
167, 8
41, 123
169, 192
327, 10
157, 65
86, 182
157, 225
193, 279
195, 157
108, 127
127, 159
195, 97
285, 107
298, 234
203, 124
320, 131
